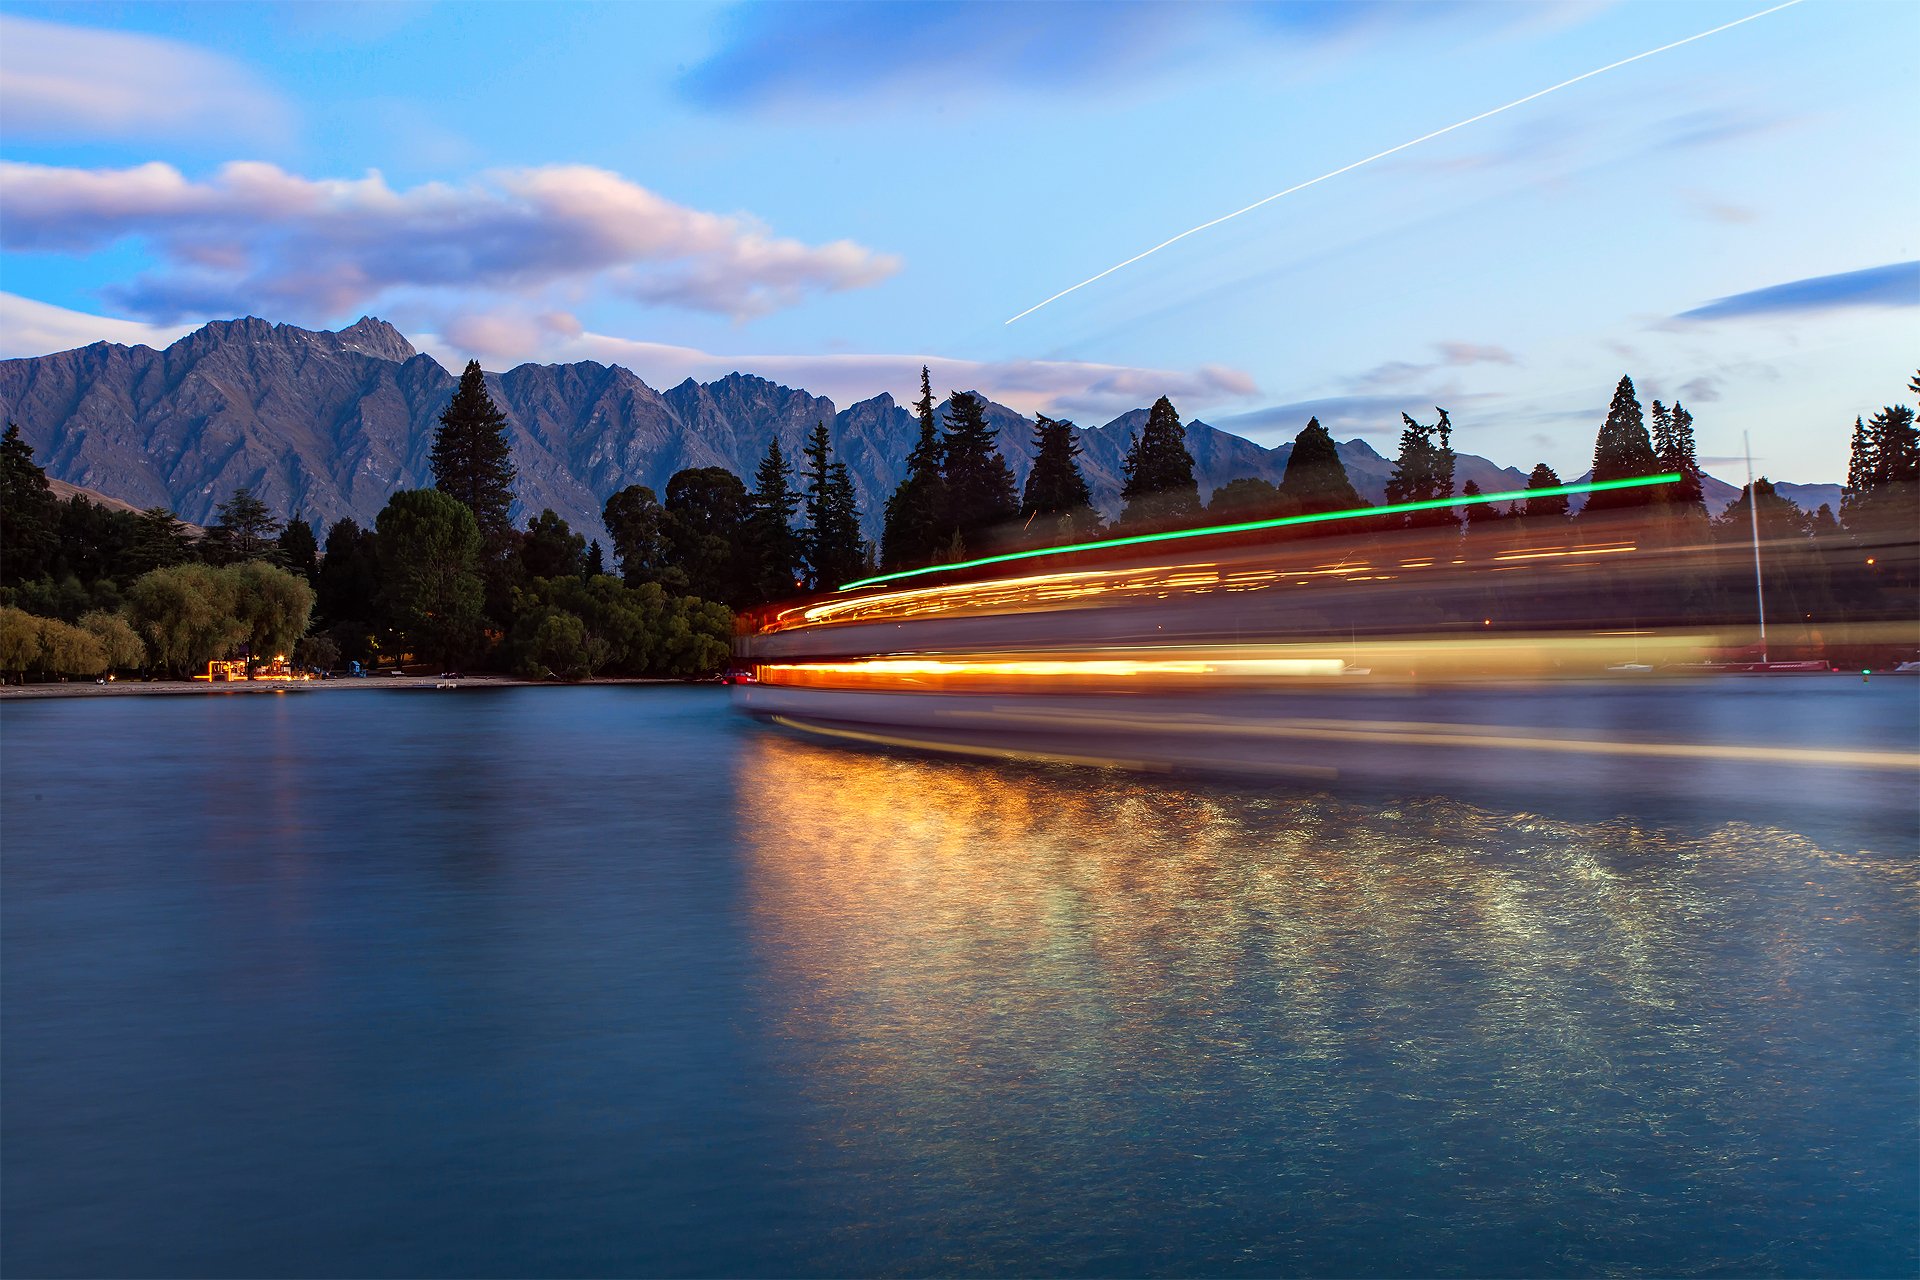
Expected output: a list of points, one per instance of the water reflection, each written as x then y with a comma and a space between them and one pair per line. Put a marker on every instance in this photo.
1087, 1021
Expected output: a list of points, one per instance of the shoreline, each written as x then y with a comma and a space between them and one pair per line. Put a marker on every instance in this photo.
203, 688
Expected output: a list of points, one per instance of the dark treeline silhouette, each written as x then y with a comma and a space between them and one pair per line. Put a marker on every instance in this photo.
444, 578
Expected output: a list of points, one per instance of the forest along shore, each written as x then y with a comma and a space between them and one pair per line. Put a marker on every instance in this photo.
119, 688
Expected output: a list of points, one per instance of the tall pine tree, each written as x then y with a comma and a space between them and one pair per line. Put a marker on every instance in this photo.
1160, 487
1056, 501
1673, 449
1622, 451
980, 493
471, 459
29, 536
831, 540
1424, 471
917, 524
773, 546
1883, 475
1547, 506
1316, 480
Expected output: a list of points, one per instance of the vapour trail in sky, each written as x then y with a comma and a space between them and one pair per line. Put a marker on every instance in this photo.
1381, 155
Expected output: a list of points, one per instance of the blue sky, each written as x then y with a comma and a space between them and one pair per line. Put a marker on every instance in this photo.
832, 194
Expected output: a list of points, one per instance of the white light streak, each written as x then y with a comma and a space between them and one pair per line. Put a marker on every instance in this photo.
1381, 155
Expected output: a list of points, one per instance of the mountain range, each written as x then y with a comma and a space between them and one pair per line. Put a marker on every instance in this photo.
331, 423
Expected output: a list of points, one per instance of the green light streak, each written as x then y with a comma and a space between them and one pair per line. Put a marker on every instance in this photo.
1283, 522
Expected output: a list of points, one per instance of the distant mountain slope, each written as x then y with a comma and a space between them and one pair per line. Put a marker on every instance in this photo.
332, 423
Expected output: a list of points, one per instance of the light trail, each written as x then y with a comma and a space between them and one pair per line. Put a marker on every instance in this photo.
1281, 522
1381, 155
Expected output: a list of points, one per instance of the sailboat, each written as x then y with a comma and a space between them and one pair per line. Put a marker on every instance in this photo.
1810, 666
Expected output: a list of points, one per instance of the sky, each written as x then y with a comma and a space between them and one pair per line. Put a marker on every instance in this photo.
831, 195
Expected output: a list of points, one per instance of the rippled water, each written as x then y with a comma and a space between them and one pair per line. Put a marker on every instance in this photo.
604, 980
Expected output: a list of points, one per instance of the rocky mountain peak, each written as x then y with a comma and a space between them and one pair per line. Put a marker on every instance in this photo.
373, 336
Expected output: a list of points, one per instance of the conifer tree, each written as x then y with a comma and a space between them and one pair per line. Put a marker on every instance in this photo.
1673, 450
1621, 451
28, 537
1552, 506
244, 530
980, 493
1424, 470
917, 522
1160, 487
300, 550
1056, 496
831, 540
773, 546
471, 458
1316, 480
1883, 474
596, 560
637, 523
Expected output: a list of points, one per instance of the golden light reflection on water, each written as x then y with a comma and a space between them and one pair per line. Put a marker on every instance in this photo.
1017, 971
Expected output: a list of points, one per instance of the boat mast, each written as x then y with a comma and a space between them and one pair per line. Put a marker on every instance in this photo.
1753, 512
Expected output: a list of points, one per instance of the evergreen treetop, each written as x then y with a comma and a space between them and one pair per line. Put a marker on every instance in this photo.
1555, 505
1623, 450
1424, 470
471, 458
1160, 487
773, 546
1055, 486
979, 483
1316, 480
917, 523
28, 539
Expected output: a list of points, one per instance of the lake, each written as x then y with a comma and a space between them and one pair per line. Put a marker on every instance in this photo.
609, 980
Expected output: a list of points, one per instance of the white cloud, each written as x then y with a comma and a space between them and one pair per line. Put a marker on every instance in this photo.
29, 328
1088, 390
256, 238
65, 82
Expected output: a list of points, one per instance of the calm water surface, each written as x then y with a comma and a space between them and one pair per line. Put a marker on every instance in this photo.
557, 981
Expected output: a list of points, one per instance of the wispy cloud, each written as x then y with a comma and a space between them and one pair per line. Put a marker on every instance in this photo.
69, 83
829, 54
1894, 285
1085, 389
30, 328
1448, 355
257, 238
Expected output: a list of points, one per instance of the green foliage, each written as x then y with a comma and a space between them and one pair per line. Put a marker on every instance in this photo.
188, 614
1424, 471
1547, 506
119, 642
471, 457
321, 652
551, 548
159, 539
1622, 450
1057, 503
27, 517
1248, 498
348, 587
273, 606
1316, 480
299, 550
773, 548
19, 642
572, 628
638, 525
1160, 487
1674, 450
245, 530
429, 559
834, 551
596, 560
706, 510
979, 484
1883, 472
918, 521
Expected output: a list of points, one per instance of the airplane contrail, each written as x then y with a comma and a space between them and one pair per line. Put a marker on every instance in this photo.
1381, 155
